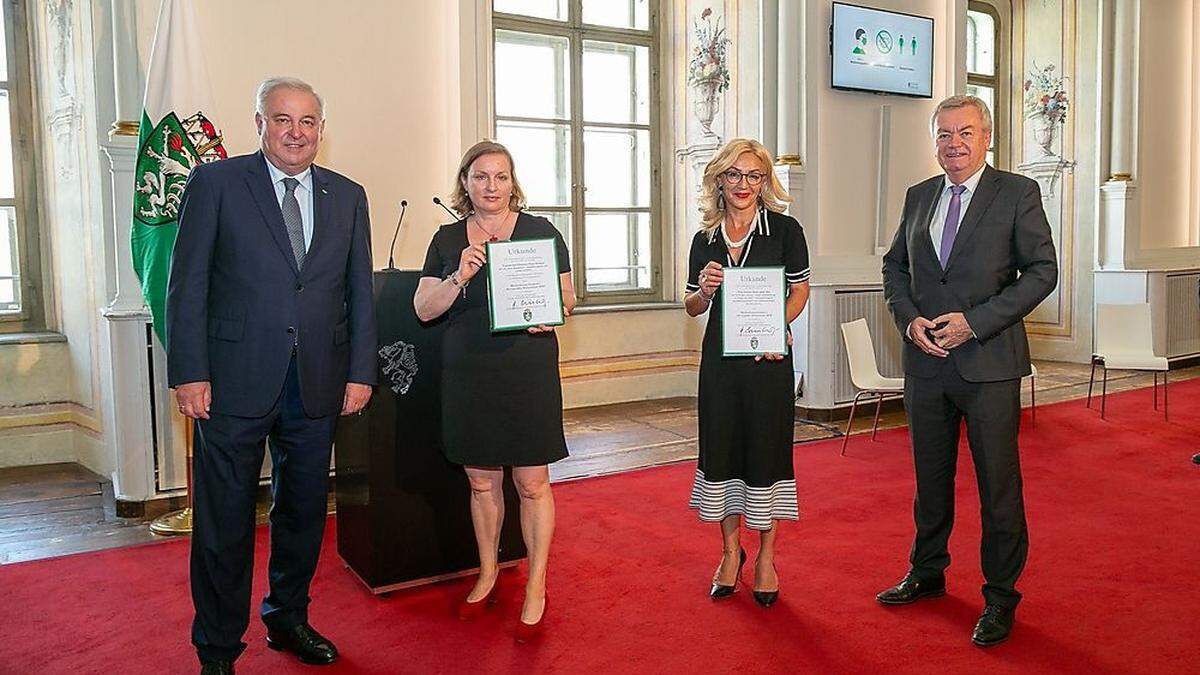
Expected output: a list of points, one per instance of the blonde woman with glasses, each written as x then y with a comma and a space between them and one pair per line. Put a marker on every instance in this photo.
746, 405
501, 394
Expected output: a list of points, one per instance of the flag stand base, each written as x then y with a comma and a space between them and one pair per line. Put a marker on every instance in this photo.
173, 523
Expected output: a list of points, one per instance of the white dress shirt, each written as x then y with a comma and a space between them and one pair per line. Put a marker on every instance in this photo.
938, 224
304, 196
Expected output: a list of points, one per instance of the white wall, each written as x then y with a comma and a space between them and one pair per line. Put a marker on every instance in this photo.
844, 139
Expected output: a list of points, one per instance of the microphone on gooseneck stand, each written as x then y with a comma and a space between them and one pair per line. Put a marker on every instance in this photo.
439, 203
392, 250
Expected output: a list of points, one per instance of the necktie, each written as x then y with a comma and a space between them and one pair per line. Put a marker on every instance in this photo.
293, 222
950, 228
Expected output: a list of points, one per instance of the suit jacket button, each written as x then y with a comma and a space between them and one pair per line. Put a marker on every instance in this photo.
291, 330
299, 287
942, 282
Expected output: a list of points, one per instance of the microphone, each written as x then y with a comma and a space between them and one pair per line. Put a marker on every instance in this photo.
392, 249
439, 203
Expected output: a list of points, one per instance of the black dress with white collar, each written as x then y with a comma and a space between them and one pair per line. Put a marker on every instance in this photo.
746, 407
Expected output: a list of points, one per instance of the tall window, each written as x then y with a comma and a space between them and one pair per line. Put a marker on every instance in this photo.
576, 87
984, 72
20, 301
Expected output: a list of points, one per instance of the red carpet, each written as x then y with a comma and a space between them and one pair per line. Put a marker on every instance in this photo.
1111, 584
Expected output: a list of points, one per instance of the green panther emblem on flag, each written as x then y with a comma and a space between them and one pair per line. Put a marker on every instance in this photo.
166, 158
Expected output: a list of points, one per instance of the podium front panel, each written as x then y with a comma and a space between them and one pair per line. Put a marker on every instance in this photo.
403, 510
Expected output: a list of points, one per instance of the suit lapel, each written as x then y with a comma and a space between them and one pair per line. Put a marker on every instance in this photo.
928, 206
985, 192
322, 204
259, 181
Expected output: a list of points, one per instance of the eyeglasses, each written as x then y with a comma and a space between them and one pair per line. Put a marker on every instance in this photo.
733, 177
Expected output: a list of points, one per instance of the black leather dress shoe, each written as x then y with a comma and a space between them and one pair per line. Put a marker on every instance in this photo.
912, 589
307, 644
1196, 458
217, 668
994, 626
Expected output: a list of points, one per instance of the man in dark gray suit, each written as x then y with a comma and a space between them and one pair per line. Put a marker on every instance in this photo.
973, 256
270, 334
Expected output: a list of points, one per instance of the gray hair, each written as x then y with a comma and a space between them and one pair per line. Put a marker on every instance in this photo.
272, 83
961, 101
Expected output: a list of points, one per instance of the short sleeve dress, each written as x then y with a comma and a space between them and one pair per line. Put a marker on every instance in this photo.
501, 394
746, 407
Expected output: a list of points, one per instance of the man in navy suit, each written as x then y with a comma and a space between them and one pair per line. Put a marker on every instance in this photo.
973, 256
270, 335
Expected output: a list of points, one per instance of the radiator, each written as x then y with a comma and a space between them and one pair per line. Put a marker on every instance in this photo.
1183, 314
849, 305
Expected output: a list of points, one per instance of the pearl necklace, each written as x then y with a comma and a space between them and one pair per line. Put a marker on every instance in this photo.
729, 243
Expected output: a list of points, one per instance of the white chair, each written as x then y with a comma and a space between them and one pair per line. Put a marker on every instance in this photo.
1124, 342
864, 373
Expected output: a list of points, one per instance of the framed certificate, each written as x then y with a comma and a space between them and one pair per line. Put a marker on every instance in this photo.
753, 321
523, 284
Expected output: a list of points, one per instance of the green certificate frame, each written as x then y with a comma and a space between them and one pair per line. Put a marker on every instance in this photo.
527, 318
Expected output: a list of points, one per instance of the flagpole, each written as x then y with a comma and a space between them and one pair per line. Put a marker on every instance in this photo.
179, 522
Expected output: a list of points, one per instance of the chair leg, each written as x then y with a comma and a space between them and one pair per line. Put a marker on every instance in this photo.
1033, 400
1104, 391
875, 426
1166, 416
1090, 381
850, 423
1155, 390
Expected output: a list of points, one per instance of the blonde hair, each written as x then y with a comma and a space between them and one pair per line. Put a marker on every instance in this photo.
712, 201
460, 201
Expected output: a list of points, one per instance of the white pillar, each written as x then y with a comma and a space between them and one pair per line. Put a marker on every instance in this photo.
769, 73
127, 79
126, 402
1118, 237
791, 82
1123, 90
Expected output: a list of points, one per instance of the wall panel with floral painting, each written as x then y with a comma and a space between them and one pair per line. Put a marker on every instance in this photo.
1044, 142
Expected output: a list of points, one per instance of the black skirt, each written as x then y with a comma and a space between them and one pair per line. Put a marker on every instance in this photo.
501, 394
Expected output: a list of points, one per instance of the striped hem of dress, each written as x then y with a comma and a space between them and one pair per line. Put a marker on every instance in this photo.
758, 505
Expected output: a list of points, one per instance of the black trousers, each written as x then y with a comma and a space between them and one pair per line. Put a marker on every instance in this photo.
992, 410
227, 460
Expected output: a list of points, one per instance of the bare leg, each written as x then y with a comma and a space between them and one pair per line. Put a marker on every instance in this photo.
487, 515
731, 533
765, 578
537, 528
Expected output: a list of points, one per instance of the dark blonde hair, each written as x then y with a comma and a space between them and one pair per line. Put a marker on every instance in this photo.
460, 201
712, 203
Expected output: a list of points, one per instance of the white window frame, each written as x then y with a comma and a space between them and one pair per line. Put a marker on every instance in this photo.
577, 32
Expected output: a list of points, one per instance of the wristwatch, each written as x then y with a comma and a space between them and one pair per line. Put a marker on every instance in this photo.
454, 278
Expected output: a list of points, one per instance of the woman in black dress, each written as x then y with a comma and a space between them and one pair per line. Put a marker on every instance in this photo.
746, 406
501, 395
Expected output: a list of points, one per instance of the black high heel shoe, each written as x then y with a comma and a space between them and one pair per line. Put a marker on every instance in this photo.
720, 590
766, 598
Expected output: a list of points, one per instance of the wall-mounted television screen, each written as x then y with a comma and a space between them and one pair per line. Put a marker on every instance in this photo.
880, 51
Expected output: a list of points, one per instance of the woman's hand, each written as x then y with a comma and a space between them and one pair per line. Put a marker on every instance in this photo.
776, 357
472, 260
542, 328
710, 279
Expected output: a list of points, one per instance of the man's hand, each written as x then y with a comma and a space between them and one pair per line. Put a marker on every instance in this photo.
918, 333
357, 396
194, 399
954, 333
